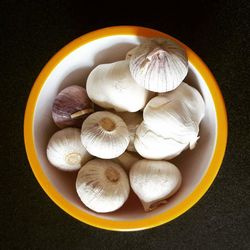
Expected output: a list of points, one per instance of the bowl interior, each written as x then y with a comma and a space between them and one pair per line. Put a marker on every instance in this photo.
74, 69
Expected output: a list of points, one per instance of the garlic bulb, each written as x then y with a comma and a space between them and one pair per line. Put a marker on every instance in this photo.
104, 135
111, 86
65, 150
172, 120
176, 114
132, 120
154, 182
127, 159
102, 185
158, 64
191, 97
152, 146
71, 106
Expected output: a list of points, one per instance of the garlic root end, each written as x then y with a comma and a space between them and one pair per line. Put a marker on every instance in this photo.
107, 124
73, 158
112, 174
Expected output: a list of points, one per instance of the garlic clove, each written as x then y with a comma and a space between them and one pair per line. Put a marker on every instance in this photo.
132, 120
154, 182
102, 185
153, 146
158, 64
127, 159
105, 135
111, 86
65, 150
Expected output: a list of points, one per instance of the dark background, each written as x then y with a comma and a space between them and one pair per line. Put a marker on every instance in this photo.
33, 31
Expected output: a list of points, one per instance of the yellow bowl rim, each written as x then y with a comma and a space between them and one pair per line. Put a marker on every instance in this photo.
138, 224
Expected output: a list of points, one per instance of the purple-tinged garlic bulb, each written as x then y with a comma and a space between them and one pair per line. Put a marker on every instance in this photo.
71, 106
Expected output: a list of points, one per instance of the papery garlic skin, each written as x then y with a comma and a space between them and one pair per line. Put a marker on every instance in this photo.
132, 120
191, 97
105, 135
176, 114
172, 120
65, 150
154, 181
111, 86
152, 146
127, 159
158, 64
102, 185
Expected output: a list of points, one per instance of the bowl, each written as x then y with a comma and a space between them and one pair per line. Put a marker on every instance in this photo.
71, 65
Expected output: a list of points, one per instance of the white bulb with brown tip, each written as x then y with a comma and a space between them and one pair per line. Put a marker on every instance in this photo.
154, 182
105, 135
102, 185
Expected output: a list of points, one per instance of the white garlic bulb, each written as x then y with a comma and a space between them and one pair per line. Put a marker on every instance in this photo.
154, 182
65, 150
111, 86
158, 64
102, 185
152, 146
127, 159
176, 114
172, 120
104, 135
132, 120
191, 97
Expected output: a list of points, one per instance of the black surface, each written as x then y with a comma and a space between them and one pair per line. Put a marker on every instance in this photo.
33, 31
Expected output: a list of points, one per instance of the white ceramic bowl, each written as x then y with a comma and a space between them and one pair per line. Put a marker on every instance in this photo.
71, 65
